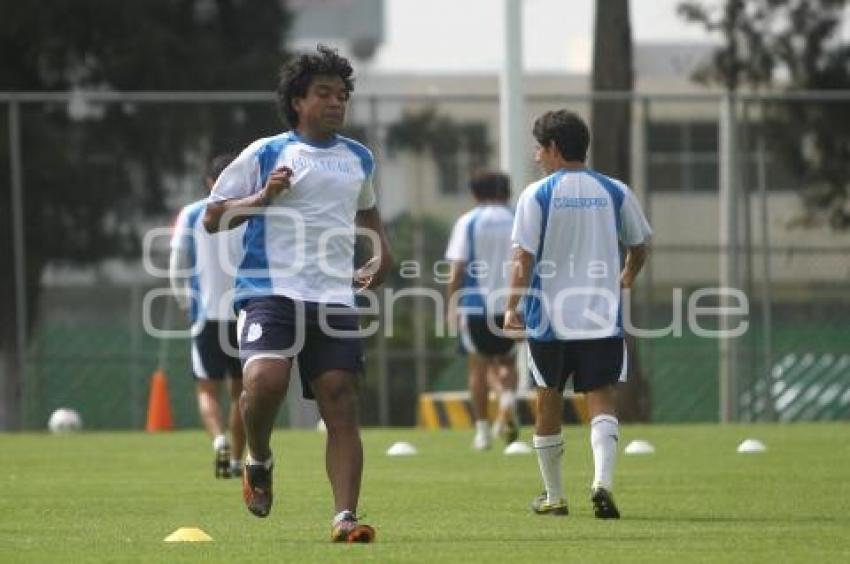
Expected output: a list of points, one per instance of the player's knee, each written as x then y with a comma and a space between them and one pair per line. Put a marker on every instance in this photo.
264, 382
207, 388
340, 393
477, 376
602, 402
339, 399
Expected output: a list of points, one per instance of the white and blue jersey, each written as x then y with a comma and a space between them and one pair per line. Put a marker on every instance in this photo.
573, 222
210, 260
481, 238
302, 246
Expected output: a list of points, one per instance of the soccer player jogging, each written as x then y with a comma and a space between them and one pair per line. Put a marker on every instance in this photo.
204, 286
479, 249
303, 193
567, 235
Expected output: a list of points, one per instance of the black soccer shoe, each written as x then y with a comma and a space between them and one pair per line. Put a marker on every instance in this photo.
222, 462
257, 489
510, 431
603, 504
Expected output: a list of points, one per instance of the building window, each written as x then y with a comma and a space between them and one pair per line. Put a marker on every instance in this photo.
683, 157
455, 168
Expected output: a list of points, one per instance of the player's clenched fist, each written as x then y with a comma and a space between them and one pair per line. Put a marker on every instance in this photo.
277, 183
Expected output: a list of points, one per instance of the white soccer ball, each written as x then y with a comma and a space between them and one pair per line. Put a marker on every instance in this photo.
65, 420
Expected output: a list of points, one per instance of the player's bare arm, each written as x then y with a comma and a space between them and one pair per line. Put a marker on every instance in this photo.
635, 259
373, 273
178, 265
277, 183
455, 281
520, 276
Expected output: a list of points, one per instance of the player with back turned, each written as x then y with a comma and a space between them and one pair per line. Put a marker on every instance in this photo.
203, 286
479, 248
574, 221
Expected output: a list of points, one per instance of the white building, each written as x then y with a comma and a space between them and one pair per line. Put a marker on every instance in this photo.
674, 136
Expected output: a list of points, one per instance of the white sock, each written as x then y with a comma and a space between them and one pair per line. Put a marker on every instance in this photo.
219, 442
251, 461
235, 464
341, 516
604, 436
507, 401
482, 427
550, 450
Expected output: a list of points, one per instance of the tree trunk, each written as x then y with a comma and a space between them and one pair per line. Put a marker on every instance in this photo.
612, 71
611, 152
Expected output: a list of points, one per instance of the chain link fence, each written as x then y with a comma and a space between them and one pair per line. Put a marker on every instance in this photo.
87, 348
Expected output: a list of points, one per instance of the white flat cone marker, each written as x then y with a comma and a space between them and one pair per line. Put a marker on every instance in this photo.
751, 446
639, 446
401, 448
188, 534
518, 447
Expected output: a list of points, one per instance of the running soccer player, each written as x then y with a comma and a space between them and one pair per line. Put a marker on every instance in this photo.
202, 285
479, 248
302, 193
567, 235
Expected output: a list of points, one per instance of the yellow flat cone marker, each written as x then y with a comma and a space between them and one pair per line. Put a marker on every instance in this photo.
188, 534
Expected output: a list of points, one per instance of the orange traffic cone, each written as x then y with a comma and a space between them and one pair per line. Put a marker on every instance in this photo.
159, 406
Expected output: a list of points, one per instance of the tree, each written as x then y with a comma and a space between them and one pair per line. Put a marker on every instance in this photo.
445, 139
795, 45
611, 150
612, 71
91, 176
417, 237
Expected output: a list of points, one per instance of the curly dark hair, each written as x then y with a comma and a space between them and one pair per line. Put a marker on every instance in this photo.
297, 74
567, 130
490, 185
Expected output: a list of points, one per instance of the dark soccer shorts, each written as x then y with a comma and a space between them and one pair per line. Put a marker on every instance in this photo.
593, 364
210, 360
321, 337
476, 337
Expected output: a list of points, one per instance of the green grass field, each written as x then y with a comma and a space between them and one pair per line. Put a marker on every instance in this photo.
115, 496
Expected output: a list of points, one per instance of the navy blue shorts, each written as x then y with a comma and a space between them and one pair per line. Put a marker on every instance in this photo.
477, 337
321, 337
593, 364
210, 360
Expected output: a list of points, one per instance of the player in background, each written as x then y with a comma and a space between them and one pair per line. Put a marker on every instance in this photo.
202, 285
302, 193
573, 221
479, 248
